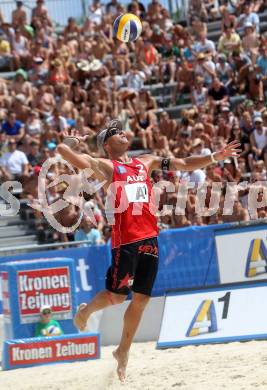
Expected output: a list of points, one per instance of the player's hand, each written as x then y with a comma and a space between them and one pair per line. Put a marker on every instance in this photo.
74, 134
230, 150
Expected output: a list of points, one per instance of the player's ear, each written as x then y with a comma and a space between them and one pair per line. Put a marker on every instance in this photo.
106, 148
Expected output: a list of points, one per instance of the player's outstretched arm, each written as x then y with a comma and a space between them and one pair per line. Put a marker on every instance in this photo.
191, 163
67, 149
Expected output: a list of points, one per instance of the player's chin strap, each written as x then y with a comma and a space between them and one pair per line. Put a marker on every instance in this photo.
165, 164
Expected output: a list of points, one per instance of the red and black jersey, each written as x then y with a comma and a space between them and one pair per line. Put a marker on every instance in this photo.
133, 198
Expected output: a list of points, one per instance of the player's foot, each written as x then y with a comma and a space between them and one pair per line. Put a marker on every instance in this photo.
122, 359
79, 319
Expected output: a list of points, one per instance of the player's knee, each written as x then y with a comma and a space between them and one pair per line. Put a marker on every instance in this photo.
140, 300
116, 299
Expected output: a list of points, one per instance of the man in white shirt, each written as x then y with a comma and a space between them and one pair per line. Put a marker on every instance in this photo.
14, 163
135, 79
204, 45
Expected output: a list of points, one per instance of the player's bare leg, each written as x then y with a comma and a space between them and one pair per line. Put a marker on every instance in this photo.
132, 318
100, 301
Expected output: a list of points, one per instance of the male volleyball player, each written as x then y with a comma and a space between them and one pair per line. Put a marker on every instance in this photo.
134, 235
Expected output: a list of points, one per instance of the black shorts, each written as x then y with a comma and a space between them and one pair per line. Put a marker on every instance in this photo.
134, 267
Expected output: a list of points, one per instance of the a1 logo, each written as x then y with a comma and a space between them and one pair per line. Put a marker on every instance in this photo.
256, 263
205, 319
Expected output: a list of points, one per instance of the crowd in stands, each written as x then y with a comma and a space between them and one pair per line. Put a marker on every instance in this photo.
82, 78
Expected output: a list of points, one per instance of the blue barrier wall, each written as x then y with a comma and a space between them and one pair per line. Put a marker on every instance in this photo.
187, 259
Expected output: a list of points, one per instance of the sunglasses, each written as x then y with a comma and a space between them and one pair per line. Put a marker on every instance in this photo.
45, 312
111, 132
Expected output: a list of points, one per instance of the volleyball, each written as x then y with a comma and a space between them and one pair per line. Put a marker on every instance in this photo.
127, 27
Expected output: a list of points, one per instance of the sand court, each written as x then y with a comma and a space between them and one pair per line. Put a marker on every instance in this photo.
233, 366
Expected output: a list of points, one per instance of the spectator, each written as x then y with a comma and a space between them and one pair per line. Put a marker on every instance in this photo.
204, 45
135, 80
258, 140
44, 102
262, 61
218, 95
224, 71
251, 42
197, 9
231, 172
255, 84
20, 85
40, 12
199, 95
47, 327
34, 154
167, 126
248, 17
14, 163
12, 127
198, 148
159, 142
136, 8
33, 127
95, 12
39, 72
241, 64
57, 121
87, 232
229, 42
185, 79
20, 50
239, 214
5, 53
19, 16
228, 19
111, 7
205, 68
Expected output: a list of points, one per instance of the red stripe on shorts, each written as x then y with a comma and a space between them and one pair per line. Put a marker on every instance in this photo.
115, 273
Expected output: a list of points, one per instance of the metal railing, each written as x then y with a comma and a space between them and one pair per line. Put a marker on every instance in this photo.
58, 10
61, 10
41, 247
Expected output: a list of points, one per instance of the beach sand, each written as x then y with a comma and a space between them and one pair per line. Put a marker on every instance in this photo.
233, 366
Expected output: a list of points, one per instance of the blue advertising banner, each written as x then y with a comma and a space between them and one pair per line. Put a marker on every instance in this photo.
26, 352
30, 285
91, 263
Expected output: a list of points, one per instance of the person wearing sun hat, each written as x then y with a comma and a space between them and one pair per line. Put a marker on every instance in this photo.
5, 51
205, 68
47, 326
